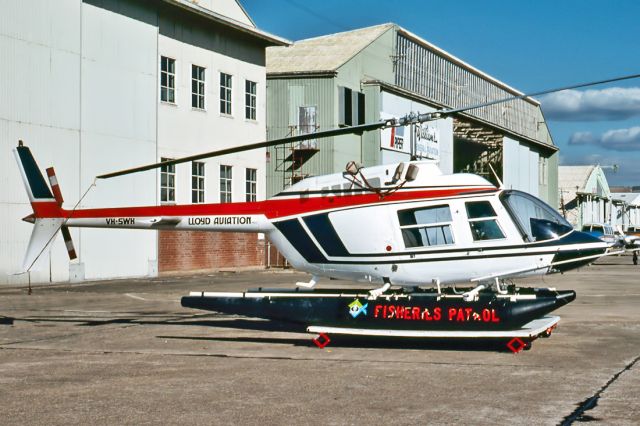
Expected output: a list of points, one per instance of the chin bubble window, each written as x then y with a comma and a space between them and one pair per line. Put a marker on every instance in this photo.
483, 221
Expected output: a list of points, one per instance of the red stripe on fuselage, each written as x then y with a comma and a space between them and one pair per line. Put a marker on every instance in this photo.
273, 208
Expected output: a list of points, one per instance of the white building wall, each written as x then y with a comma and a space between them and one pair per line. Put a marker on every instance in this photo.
619, 216
118, 93
80, 86
634, 216
183, 130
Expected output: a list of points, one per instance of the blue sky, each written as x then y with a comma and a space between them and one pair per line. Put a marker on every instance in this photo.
530, 45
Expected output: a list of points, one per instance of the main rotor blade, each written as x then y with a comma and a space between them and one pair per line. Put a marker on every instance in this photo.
528, 95
402, 121
324, 134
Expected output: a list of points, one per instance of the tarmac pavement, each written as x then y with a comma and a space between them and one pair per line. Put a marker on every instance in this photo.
126, 352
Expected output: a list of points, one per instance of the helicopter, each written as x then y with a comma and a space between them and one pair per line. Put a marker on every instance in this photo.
406, 225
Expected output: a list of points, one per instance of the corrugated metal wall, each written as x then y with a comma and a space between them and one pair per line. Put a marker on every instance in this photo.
284, 98
429, 74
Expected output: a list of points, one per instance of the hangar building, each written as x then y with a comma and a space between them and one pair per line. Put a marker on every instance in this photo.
386, 71
94, 86
626, 209
584, 195
585, 198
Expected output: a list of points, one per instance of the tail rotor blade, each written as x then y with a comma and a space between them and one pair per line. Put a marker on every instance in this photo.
68, 242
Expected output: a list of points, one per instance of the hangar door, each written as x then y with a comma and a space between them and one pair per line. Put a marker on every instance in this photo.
520, 167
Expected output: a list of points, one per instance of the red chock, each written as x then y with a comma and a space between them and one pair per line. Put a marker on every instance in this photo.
322, 340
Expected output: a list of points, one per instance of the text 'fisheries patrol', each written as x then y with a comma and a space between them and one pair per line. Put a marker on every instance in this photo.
223, 220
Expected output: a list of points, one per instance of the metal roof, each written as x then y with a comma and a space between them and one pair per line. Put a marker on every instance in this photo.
327, 53
574, 178
631, 198
322, 54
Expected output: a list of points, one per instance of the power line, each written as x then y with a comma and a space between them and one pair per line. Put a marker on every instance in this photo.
317, 15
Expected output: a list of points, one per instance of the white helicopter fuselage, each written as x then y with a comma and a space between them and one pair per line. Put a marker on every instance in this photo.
381, 224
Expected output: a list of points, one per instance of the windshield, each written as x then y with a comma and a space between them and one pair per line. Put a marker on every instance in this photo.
537, 220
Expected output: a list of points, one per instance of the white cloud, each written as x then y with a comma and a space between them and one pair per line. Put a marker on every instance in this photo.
582, 138
616, 103
616, 140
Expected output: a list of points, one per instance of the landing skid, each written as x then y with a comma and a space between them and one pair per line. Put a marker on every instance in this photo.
516, 340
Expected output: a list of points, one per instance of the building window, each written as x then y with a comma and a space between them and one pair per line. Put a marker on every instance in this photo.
250, 100
351, 109
197, 182
482, 221
167, 182
427, 226
225, 184
225, 93
167, 79
307, 119
251, 184
197, 87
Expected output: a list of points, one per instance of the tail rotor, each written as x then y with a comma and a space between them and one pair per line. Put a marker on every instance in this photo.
48, 216
57, 193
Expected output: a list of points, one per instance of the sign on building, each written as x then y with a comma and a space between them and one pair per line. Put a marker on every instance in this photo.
421, 140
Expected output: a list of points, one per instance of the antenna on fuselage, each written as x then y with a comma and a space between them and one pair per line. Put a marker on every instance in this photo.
500, 184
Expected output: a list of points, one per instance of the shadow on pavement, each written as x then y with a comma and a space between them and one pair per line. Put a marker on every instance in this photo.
366, 342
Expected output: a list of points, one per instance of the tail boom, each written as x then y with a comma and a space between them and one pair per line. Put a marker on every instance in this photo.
129, 219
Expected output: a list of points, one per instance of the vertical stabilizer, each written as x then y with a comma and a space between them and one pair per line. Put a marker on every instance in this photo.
36, 186
47, 215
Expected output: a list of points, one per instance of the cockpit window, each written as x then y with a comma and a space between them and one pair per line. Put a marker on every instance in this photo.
537, 220
482, 221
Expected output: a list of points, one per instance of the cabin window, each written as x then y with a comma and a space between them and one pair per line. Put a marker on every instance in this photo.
427, 226
482, 221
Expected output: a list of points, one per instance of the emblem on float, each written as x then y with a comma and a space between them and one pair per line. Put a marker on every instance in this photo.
356, 308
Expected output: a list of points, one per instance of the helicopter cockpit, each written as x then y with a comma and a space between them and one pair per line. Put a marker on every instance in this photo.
536, 220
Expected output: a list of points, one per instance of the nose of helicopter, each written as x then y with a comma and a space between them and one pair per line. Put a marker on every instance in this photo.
578, 249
